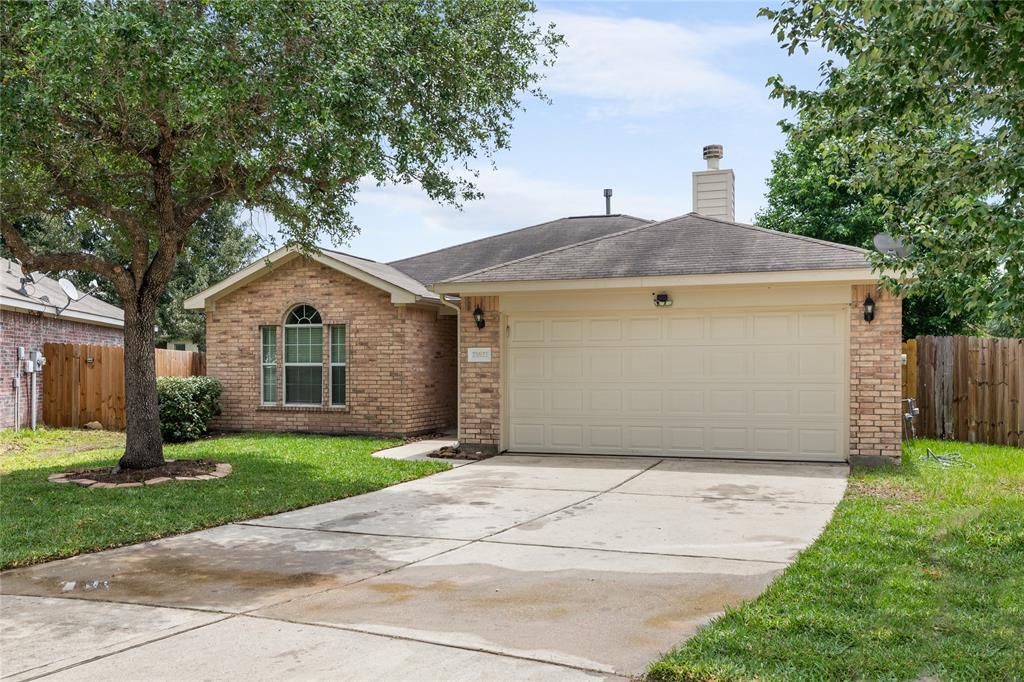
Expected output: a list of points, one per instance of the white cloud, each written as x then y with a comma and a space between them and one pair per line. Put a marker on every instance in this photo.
633, 66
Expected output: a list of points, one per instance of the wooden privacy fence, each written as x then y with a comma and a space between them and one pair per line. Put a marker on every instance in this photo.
967, 388
84, 383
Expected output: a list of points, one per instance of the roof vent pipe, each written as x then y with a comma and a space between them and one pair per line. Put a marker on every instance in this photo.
607, 202
712, 153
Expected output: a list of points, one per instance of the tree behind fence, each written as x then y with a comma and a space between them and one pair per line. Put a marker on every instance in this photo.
967, 388
83, 383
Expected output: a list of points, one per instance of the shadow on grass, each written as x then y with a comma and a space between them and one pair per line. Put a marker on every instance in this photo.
271, 474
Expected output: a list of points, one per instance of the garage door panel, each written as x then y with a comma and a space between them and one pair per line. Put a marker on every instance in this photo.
819, 325
684, 364
727, 400
565, 365
566, 330
728, 363
756, 384
644, 401
567, 400
820, 362
605, 400
526, 400
527, 364
644, 363
729, 328
686, 329
773, 326
684, 402
527, 331
774, 363
568, 436
641, 329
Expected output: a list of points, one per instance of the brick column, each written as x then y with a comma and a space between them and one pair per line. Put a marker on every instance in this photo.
875, 390
480, 382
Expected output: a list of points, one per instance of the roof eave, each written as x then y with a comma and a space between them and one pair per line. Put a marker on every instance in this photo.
821, 276
67, 314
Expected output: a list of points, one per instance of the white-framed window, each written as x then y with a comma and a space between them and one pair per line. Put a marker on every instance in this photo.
338, 364
303, 356
268, 365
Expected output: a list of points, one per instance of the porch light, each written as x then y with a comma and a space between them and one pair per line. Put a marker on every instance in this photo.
662, 299
478, 315
869, 308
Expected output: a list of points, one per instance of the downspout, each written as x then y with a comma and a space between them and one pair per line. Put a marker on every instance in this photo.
458, 365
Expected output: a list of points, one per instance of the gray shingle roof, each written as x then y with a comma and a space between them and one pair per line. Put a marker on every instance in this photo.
45, 295
454, 261
383, 271
687, 245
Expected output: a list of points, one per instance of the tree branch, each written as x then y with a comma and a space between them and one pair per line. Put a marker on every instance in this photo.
97, 128
31, 261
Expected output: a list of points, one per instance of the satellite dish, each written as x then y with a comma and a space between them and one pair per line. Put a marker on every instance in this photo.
891, 246
68, 288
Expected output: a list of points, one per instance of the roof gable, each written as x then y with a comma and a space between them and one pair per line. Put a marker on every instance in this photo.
687, 245
403, 289
454, 261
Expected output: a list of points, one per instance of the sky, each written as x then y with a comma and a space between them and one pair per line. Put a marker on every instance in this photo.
636, 93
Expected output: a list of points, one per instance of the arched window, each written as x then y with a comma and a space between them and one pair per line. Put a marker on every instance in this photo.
303, 356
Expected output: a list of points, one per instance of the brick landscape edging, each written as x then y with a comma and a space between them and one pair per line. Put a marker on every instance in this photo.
222, 470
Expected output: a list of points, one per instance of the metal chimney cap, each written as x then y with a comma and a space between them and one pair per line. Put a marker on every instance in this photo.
713, 151
607, 192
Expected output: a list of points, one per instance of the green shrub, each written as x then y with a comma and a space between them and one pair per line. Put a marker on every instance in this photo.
187, 404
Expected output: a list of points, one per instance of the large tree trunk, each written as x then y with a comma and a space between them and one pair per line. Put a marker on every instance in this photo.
144, 447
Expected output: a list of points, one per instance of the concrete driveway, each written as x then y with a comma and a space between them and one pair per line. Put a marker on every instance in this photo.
518, 567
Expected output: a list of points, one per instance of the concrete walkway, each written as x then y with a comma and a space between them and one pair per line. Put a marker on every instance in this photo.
514, 568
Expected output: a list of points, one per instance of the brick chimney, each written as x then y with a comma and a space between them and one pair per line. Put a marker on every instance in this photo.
714, 189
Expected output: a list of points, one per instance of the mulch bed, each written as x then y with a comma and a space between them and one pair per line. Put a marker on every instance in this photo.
170, 469
455, 453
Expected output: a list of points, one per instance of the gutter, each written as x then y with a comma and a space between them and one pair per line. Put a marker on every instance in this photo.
458, 365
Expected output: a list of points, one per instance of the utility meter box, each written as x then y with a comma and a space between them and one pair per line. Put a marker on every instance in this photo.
37, 360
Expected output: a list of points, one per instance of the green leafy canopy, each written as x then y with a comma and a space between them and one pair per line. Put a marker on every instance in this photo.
929, 111
141, 114
129, 120
821, 195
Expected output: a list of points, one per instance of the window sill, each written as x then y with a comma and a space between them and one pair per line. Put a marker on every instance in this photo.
302, 408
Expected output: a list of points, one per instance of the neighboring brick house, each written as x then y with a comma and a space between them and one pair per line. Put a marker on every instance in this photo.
36, 312
609, 335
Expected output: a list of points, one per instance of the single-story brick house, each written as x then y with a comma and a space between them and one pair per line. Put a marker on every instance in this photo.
34, 311
609, 334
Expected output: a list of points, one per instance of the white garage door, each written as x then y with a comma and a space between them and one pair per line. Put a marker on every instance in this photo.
766, 384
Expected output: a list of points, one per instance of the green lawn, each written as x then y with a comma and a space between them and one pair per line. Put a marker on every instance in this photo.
40, 521
920, 575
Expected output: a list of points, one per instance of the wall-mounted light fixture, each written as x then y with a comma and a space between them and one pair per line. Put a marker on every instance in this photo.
869, 308
478, 315
662, 299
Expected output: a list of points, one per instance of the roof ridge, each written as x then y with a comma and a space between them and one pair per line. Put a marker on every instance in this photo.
758, 228
520, 229
560, 248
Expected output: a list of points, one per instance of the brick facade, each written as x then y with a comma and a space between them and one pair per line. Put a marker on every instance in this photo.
401, 361
30, 331
480, 397
875, 390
